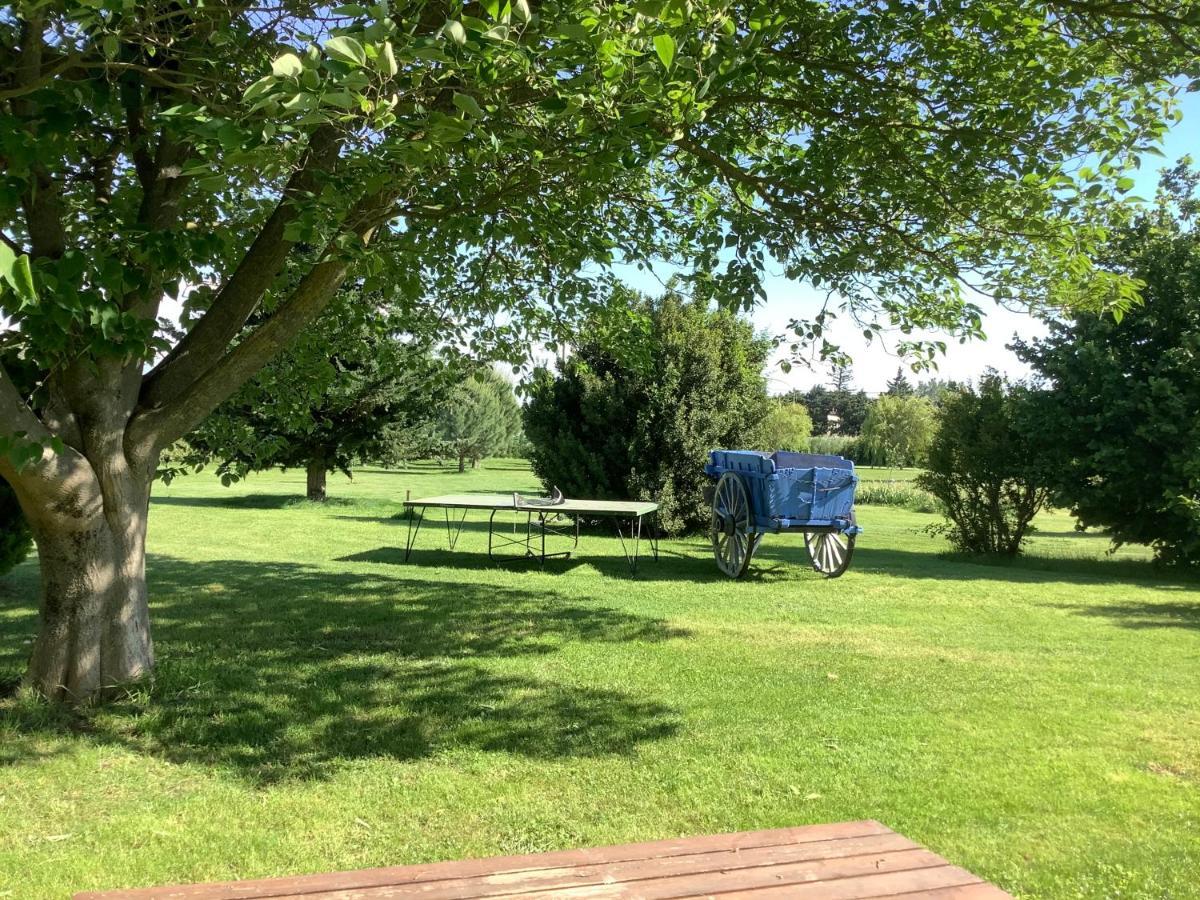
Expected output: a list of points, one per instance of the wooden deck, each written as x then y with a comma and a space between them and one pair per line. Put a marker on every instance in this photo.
847, 861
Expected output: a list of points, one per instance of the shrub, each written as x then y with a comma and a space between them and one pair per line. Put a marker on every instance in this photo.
987, 475
897, 431
1122, 408
787, 426
15, 538
636, 416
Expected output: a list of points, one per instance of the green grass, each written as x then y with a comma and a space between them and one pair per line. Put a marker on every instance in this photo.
321, 705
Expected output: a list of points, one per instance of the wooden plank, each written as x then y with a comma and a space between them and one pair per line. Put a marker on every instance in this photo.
980, 890
567, 881
722, 882
901, 885
315, 884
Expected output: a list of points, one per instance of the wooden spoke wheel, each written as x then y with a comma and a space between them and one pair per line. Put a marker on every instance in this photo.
829, 551
733, 542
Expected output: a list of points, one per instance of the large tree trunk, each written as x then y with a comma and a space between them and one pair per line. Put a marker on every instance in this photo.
316, 479
94, 634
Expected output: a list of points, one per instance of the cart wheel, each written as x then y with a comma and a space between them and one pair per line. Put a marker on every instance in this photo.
733, 543
830, 551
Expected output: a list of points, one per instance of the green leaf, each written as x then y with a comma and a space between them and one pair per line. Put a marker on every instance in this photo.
575, 30
18, 273
521, 11
287, 66
110, 45
260, 87
467, 104
387, 60
346, 49
455, 31
7, 258
664, 46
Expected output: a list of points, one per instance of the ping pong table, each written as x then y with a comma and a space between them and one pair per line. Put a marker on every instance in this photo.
527, 541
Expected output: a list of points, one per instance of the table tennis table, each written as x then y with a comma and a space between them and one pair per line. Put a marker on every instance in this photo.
542, 518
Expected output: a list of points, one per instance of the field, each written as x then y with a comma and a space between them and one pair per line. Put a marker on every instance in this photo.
322, 705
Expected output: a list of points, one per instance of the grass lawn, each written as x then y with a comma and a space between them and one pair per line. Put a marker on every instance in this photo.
321, 705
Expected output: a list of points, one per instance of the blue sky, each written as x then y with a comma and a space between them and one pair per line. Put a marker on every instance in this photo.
873, 364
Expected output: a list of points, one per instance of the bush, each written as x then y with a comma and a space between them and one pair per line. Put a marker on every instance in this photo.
988, 476
897, 431
787, 426
902, 494
635, 410
1122, 410
15, 538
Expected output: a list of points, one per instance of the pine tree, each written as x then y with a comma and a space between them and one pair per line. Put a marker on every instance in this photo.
899, 386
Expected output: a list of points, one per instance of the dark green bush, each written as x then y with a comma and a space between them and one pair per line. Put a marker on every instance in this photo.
988, 476
1122, 403
636, 408
15, 538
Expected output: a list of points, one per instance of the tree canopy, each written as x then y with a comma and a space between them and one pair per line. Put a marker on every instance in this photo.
786, 426
355, 389
897, 430
1119, 415
480, 417
635, 410
489, 158
833, 411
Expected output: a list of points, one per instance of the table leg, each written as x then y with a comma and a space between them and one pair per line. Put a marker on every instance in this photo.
412, 533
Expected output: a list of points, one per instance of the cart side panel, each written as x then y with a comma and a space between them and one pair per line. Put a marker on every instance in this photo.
833, 491
787, 459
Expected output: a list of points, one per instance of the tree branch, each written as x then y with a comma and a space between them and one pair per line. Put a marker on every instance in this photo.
162, 424
242, 293
43, 205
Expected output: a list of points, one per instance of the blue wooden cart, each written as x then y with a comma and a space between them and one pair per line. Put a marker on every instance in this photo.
769, 493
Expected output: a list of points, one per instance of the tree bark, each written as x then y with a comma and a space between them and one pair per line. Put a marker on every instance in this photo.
462, 462
94, 635
316, 479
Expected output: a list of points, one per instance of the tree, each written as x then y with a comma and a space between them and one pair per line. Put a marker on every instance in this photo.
936, 389
787, 426
986, 473
841, 379
833, 412
352, 392
491, 160
898, 430
899, 386
1120, 411
481, 417
633, 415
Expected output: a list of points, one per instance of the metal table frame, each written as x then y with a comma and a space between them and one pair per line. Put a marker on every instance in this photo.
528, 543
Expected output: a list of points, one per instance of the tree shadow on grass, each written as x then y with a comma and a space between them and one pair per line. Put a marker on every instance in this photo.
1031, 569
1139, 615
253, 501
284, 671
782, 558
